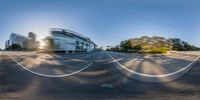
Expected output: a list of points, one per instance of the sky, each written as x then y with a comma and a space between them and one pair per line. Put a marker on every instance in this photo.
106, 22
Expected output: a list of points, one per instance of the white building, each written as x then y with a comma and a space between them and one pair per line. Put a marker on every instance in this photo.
24, 42
70, 41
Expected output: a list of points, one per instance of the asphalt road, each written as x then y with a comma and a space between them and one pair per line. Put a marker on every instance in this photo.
155, 68
102, 80
52, 64
154, 64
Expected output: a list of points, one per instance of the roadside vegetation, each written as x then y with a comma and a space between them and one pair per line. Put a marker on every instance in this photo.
152, 45
15, 47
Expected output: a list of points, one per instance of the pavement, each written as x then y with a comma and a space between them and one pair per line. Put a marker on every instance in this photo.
102, 80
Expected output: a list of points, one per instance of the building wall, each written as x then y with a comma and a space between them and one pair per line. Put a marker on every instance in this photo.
64, 44
17, 39
7, 44
32, 40
27, 43
64, 41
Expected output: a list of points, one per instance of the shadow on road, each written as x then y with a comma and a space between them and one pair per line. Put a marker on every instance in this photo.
12, 78
102, 80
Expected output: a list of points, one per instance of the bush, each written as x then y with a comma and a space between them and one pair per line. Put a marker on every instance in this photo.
158, 50
15, 47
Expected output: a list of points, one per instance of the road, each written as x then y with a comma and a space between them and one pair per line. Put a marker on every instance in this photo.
102, 80
51, 64
157, 67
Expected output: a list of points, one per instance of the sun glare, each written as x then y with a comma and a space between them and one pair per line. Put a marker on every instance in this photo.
41, 45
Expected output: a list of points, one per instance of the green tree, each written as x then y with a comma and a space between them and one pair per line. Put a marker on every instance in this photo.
49, 43
182, 45
16, 47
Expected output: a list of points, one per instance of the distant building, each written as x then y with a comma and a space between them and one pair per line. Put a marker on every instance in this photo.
7, 44
70, 41
31, 42
27, 43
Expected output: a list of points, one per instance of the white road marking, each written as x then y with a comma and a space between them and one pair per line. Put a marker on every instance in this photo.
148, 75
166, 62
106, 85
186, 57
135, 59
44, 75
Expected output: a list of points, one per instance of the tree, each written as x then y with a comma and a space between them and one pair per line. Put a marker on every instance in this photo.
182, 45
126, 44
155, 44
49, 44
16, 47
137, 47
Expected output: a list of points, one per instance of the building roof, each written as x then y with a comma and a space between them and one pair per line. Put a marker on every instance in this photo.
18, 35
72, 33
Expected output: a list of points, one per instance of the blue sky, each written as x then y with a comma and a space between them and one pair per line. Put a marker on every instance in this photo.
106, 22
